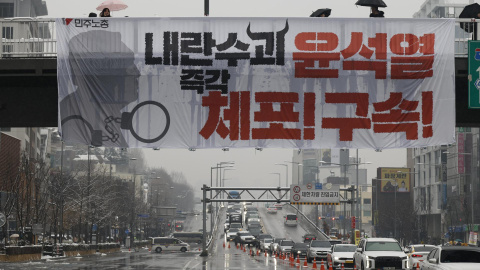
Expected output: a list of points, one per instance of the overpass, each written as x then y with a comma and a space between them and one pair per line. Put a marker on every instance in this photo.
28, 70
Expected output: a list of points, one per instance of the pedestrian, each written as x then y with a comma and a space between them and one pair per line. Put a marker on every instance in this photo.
105, 13
92, 14
377, 13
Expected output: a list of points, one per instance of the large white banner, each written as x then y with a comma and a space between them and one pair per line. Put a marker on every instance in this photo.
256, 82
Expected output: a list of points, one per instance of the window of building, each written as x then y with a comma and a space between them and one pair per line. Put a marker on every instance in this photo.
7, 32
6, 10
367, 213
439, 197
367, 201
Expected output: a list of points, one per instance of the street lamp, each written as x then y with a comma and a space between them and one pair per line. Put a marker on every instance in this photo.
286, 175
278, 177
357, 208
298, 170
132, 225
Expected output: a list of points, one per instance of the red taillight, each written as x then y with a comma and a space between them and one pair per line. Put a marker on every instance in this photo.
416, 255
296, 218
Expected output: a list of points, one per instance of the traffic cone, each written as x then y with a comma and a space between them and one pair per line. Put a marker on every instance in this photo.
322, 266
305, 263
343, 267
330, 267
258, 252
298, 259
418, 266
223, 244
354, 266
314, 266
228, 244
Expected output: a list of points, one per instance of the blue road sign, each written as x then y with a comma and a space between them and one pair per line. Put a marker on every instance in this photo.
127, 231
318, 186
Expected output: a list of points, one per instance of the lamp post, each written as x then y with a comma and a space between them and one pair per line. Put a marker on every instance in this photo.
286, 174
356, 193
132, 225
298, 170
278, 177
218, 166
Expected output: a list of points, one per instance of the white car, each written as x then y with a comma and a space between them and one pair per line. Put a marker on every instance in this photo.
418, 253
341, 254
271, 210
452, 258
231, 234
380, 253
265, 244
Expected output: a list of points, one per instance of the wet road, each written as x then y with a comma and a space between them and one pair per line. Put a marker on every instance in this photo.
221, 257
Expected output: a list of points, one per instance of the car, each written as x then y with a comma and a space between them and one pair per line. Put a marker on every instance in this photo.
244, 238
290, 220
318, 250
418, 253
260, 237
232, 233
271, 210
265, 244
341, 254
279, 206
253, 221
160, 244
452, 257
250, 215
274, 244
380, 253
299, 250
309, 237
236, 225
255, 230
285, 246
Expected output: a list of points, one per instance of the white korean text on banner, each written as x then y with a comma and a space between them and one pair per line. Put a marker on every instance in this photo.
302, 83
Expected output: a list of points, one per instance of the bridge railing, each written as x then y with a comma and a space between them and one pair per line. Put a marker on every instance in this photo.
28, 37
36, 38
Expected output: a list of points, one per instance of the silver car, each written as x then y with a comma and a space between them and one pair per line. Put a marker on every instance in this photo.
341, 254
274, 244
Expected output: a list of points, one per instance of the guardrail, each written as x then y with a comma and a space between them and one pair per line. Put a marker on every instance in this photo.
37, 38
28, 37
215, 229
309, 222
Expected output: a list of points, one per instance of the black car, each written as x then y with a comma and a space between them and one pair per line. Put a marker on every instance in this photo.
260, 237
299, 250
309, 237
244, 238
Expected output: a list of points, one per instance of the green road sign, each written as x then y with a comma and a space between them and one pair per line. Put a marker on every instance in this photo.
474, 74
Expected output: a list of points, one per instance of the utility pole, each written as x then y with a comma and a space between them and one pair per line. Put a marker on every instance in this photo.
207, 7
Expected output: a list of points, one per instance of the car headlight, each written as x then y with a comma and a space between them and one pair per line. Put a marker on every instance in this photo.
298, 252
336, 258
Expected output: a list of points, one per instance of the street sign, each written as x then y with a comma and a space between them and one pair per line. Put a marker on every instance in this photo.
473, 74
305, 194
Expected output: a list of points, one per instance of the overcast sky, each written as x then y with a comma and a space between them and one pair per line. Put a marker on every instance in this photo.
231, 8
252, 168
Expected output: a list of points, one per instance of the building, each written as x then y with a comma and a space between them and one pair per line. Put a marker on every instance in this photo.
22, 8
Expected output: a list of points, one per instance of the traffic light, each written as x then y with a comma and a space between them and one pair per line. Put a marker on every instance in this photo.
353, 222
333, 219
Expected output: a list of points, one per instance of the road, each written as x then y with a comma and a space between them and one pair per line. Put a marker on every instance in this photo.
220, 257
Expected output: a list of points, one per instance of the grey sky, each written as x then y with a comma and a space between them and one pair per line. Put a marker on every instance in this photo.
230, 8
252, 168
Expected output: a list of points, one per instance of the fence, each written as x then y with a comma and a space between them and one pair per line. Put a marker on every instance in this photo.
36, 38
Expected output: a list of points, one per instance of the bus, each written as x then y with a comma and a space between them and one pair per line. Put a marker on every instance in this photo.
179, 226
189, 237
234, 195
